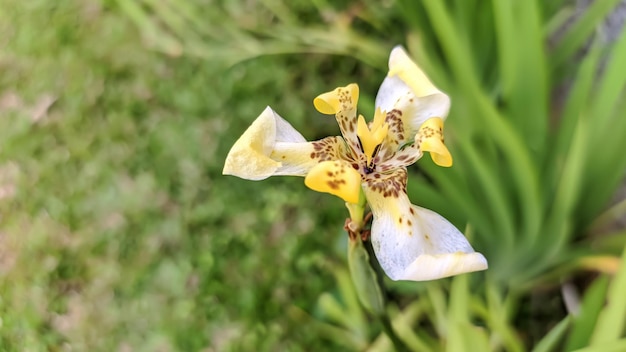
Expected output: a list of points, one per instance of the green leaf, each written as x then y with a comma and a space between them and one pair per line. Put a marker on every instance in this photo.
614, 346
584, 323
551, 341
612, 318
581, 30
523, 69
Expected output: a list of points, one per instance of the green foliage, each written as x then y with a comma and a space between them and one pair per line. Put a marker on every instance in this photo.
118, 231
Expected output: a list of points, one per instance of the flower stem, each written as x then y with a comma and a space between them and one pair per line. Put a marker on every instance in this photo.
357, 212
364, 277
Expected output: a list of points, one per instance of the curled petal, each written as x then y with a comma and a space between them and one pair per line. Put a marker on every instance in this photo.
401, 65
409, 98
271, 146
337, 177
342, 102
414, 243
430, 139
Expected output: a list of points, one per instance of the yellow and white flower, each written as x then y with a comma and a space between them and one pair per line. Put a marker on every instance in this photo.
410, 242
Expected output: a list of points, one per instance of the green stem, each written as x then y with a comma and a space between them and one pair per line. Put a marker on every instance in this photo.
357, 212
364, 277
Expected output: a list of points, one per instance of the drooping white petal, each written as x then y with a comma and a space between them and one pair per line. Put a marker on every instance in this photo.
271, 146
414, 243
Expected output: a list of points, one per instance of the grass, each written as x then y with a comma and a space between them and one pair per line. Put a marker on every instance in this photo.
118, 231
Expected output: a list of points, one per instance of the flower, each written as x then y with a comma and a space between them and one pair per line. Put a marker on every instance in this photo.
410, 242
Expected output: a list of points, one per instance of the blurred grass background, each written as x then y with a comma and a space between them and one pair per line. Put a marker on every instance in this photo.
119, 233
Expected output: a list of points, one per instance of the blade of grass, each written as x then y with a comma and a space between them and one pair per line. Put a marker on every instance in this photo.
437, 300
454, 188
581, 30
458, 314
404, 321
495, 198
505, 35
161, 40
583, 324
607, 164
551, 340
498, 319
576, 101
612, 318
568, 191
427, 195
613, 346
523, 69
609, 217
610, 89
523, 170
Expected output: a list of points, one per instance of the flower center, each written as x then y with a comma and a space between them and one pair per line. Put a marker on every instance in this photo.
372, 137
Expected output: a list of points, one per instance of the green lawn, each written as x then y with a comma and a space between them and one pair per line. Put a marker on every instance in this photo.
119, 233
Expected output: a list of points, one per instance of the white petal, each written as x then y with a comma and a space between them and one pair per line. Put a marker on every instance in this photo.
395, 94
407, 89
249, 157
401, 65
271, 146
414, 243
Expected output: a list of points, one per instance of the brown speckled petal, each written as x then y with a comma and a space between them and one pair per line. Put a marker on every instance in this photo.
414, 243
342, 102
409, 98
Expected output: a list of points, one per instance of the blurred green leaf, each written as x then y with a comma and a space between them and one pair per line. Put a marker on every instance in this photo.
612, 317
583, 324
552, 340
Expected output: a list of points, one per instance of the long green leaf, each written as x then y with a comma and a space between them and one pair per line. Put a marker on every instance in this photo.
612, 318
614, 346
575, 103
583, 324
523, 170
523, 69
458, 314
552, 339
581, 30
568, 191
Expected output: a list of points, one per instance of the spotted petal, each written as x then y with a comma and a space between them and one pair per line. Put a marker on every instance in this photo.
414, 243
342, 102
336, 177
271, 146
409, 98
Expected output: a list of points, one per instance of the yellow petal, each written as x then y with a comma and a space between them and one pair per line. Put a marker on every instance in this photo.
342, 102
337, 177
430, 139
342, 98
371, 138
403, 66
409, 98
